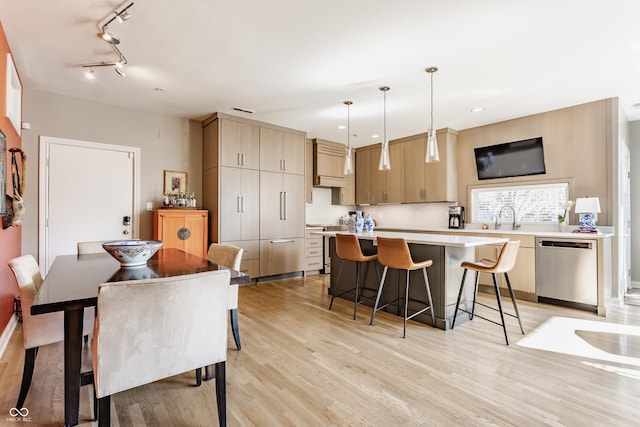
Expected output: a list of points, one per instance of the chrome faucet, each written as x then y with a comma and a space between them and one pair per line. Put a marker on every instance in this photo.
514, 226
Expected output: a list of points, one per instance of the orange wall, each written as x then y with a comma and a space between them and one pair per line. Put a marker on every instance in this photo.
10, 239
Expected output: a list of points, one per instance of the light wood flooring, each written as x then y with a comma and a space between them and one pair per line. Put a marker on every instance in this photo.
302, 365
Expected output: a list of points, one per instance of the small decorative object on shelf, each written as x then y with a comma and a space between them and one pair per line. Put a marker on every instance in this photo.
563, 219
359, 222
179, 200
369, 224
351, 224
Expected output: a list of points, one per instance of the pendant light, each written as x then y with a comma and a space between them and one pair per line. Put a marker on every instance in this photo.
348, 163
432, 154
385, 163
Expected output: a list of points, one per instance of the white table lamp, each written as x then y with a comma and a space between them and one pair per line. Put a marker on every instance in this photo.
588, 208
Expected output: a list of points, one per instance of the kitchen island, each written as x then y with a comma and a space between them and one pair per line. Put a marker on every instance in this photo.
447, 253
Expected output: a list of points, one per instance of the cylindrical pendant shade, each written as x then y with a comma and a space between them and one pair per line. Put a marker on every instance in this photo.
432, 154
348, 162
385, 162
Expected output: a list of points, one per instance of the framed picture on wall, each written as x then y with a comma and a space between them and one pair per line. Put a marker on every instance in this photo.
175, 182
14, 95
3, 173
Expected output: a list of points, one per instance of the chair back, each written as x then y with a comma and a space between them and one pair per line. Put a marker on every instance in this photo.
394, 253
41, 329
348, 247
92, 247
147, 330
228, 255
507, 257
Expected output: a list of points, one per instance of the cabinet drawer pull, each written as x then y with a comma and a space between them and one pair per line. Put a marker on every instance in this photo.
283, 241
239, 161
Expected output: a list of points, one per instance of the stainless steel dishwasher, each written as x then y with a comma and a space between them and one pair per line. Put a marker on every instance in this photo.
567, 272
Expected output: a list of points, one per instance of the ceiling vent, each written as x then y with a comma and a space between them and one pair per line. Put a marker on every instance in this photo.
242, 110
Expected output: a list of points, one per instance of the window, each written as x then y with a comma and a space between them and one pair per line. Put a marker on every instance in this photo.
533, 204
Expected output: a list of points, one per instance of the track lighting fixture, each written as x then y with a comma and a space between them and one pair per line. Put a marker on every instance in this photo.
121, 15
107, 36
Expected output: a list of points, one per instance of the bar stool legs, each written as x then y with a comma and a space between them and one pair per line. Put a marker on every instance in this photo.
406, 300
356, 290
498, 299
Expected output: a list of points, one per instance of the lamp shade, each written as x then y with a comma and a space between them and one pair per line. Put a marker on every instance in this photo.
587, 205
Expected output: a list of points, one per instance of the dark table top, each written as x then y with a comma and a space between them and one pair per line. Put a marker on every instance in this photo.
72, 282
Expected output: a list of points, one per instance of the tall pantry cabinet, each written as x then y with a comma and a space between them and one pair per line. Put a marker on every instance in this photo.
253, 185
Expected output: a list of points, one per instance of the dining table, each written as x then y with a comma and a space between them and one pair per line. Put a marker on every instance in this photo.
71, 285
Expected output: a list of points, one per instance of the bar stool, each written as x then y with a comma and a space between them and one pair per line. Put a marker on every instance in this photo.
348, 249
504, 264
394, 253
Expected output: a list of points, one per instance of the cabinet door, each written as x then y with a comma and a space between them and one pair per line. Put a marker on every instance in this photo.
293, 206
230, 208
363, 176
293, 153
240, 144
210, 146
308, 171
250, 205
196, 243
280, 256
345, 195
378, 178
250, 146
271, 204
240, 209
271, 141
414, 166
231, 143
395, 176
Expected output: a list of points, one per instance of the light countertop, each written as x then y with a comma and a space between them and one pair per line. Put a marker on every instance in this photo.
605, 232
456, 240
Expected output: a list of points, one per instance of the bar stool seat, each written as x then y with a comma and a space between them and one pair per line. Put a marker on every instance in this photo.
505, 262
348, 249
394, 253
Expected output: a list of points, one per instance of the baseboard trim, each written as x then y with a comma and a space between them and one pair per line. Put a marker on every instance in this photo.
6, 334
635, 284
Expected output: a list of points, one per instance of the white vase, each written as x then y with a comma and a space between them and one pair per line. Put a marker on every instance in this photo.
562, 226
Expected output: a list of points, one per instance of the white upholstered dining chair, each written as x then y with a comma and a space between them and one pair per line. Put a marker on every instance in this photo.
172, 325
229, 256
91, 247
41, 329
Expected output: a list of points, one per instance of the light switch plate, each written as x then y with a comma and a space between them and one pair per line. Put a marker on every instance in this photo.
149, 206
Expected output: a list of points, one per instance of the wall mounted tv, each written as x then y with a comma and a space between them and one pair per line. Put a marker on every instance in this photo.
518, 158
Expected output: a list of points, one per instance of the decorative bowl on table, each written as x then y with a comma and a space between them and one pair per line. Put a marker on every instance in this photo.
132, 253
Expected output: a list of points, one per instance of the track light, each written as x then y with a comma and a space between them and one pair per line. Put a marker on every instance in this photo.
89, 74
108, 37
124, 15
113, 40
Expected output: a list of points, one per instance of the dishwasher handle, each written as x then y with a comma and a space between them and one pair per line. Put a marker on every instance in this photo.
565, 244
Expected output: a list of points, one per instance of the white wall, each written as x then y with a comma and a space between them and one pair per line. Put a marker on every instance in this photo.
634, 146
165, 142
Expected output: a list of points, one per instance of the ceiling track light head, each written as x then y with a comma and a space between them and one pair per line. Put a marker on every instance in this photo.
108, 37
119, 70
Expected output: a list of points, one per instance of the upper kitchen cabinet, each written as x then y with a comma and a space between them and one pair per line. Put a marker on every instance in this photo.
387, 185
328, 164
345, 195
282, 151
308, 171
430, 182
241, 148
363, 178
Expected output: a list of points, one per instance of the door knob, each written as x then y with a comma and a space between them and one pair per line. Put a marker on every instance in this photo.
125, 232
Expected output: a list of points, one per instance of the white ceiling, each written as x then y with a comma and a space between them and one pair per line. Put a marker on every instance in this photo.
295, 61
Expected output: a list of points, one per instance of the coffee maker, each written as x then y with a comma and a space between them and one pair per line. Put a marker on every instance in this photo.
456, 216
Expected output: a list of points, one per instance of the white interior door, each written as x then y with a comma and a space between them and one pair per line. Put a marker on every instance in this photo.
624, 224
86, 191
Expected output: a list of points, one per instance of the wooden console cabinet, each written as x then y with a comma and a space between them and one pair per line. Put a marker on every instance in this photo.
184, 229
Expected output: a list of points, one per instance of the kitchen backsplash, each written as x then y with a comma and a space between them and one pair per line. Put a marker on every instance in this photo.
321, 211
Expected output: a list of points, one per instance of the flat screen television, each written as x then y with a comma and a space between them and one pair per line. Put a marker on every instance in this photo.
518, 158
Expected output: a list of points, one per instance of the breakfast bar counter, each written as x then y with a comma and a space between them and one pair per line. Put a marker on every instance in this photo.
447, 252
